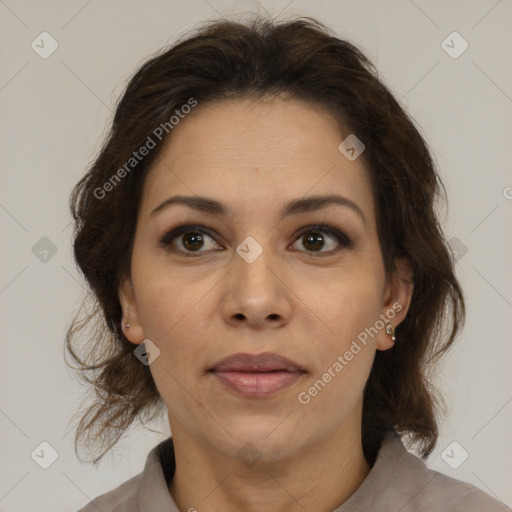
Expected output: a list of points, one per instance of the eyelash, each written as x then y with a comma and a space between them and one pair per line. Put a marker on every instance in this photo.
341, 238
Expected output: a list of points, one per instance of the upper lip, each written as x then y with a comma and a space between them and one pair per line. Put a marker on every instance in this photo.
263, 362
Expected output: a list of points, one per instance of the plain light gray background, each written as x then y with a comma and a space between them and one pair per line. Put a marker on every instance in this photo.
53, 114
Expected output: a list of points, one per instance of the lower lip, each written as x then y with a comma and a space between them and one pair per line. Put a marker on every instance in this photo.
258, 384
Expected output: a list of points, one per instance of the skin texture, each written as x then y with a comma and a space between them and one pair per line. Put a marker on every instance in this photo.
293, 300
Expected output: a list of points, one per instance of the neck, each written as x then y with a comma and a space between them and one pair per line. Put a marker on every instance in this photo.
320, 477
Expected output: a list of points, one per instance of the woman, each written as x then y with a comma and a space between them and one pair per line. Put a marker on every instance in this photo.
260, 236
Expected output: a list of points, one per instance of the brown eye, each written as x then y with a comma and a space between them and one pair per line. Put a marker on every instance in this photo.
316, 238
187, 240
192, 241
313, 241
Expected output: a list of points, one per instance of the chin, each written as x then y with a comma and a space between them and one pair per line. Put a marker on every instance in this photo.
264, 438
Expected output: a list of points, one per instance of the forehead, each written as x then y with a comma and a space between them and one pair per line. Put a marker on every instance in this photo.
257, 153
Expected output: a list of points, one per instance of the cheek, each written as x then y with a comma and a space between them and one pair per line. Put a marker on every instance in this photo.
164, 300
344, 353
175, 315
176, 320
343, 304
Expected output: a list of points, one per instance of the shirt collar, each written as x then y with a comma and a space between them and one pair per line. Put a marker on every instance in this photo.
394, 465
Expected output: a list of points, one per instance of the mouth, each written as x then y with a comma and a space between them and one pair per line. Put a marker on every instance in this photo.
257, 375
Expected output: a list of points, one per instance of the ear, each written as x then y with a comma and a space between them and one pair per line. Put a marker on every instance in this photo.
135, 332
396, 301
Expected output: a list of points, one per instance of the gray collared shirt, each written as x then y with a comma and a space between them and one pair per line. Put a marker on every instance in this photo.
398, 482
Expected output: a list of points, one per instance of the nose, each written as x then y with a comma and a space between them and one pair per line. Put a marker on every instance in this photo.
256, 294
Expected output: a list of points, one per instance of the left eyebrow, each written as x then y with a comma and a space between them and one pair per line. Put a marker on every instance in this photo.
295, 207
313, 203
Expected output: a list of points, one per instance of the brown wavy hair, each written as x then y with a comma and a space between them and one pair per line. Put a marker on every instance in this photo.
261, 58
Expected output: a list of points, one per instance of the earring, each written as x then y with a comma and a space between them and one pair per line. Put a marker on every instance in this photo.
390, 329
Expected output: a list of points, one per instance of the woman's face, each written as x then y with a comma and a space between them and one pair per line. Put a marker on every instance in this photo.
260, 278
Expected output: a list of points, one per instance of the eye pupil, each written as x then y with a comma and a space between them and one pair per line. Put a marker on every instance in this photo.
316, 239
192, 240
